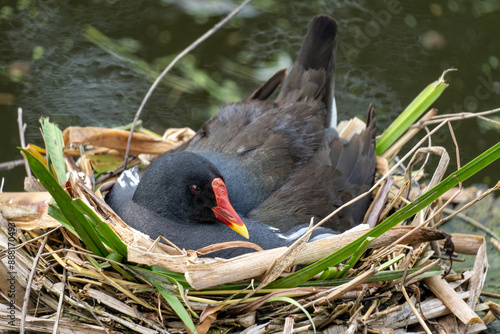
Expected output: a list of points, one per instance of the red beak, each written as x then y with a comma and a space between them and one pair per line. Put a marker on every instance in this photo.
224, 211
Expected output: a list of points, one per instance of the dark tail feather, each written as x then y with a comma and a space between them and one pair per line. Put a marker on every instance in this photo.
312, 74
356, 162
268, 87
364, 170
356, 158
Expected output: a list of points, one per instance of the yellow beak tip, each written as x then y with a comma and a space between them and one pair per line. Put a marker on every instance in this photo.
241, 229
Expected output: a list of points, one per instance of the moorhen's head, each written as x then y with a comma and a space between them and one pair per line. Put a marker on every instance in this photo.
186, 187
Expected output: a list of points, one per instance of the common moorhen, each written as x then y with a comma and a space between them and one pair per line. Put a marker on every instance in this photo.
280, 162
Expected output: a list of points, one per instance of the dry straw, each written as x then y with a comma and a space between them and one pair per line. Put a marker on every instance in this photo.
71, 289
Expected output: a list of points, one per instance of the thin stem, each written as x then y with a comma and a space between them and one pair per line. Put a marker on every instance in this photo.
171, 65
28, 284
61, 299
457, 117
22, 127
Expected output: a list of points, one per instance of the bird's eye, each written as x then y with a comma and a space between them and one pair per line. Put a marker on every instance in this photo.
195, 189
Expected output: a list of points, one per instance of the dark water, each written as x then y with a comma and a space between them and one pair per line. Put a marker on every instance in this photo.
388, 52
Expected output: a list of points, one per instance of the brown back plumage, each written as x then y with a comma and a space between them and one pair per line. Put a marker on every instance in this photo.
275, 157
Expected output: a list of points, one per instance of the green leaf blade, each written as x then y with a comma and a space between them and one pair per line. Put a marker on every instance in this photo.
159, 283
410, 115
106, 233
79, 222
295, 303
54, 144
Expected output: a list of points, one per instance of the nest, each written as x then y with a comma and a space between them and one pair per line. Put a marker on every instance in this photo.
394, 283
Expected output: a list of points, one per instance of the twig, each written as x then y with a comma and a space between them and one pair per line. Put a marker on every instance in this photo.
440, 170
392, 203
342, 289
355, 306
421, 170
454, 213
436, 177
490, 295
406, 263
288, 327
22, 127
415, 312
452, 300
159, 298
39, 237
388, 249
88, 308
8, 299
473, 222
61, 299
28, 284
457, 150
489, 120
421, 271
372, 307
11, 164
353, 321
457, 117
442, 207
191, 47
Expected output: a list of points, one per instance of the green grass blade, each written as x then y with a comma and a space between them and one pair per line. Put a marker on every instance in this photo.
341, 271
55, 212
181, 293
54, 145
389, 263
295, 303
410, 115
119, 258
151, 275
106, 233
79, 222
171, 274
109, 237
355, 257
161, 274
408, 211
329, 273
177, 279
159, 283
113, 257
176, 305
95, 263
